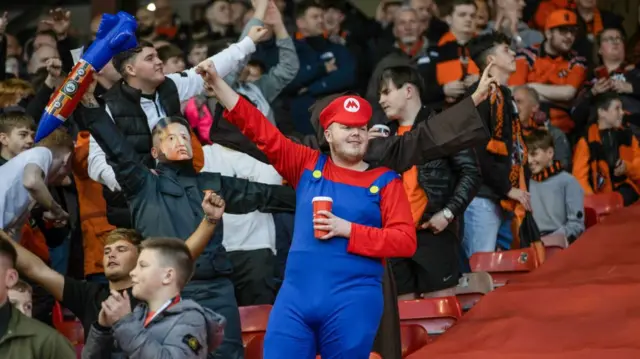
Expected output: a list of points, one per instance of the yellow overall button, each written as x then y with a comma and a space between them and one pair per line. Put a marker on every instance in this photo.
374, 189
317, 174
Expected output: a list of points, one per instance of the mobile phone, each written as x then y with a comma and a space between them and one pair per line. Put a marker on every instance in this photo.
383, 129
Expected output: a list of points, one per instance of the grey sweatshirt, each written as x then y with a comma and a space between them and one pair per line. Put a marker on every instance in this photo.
558, 205
263, 91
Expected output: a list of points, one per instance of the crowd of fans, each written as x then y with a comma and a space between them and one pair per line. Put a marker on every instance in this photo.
146, 141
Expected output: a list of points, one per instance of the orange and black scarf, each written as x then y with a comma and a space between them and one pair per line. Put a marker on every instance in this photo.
412, 51
498, 146
600, 174
554, 169
531, 125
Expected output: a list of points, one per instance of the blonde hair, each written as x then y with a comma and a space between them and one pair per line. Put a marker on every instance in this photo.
22, 287
124, 234
59, 139
12, 90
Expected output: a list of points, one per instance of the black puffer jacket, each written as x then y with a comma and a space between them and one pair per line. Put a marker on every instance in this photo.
449, 182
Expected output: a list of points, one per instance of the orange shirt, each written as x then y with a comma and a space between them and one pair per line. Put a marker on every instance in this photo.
533, 64
415, 193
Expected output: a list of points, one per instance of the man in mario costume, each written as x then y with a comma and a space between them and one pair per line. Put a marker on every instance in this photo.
331, 299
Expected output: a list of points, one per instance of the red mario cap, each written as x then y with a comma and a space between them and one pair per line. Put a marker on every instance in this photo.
353, 111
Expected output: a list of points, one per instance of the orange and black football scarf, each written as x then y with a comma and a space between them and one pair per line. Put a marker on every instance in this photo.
498, 146
554, 169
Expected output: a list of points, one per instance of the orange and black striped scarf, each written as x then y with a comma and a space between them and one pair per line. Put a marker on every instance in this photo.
412, 51
554, 169
599, 171
498, 146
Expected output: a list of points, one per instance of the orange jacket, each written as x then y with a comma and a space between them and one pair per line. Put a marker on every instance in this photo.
93, 209
586, 171
33, 240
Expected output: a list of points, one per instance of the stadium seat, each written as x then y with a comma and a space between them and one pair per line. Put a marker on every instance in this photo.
590, 217
504, 265
253, 320
79, 348
70, 328
435, 315
413, 337
604, 203
371, 356
554, 244
253, 349
471, 288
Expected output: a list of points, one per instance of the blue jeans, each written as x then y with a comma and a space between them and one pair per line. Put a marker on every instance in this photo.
484, 222
59, 256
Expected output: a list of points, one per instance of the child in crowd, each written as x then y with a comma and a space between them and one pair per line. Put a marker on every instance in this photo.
556, 196
20, 296
166, 325
172, 58
16, 134
24, 180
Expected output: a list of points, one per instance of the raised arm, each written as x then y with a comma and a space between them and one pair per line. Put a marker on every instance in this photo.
444, 135
213, 207
287, 157
242, 196
129, 172
97, 167
38, 162
397, 237
259, 12
281, 75
33, 268
189, 83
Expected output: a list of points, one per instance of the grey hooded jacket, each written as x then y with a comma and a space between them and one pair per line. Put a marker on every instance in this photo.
183, 331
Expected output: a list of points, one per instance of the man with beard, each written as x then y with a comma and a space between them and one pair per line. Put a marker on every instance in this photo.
146, 30
83, 298
554, 70
334, 258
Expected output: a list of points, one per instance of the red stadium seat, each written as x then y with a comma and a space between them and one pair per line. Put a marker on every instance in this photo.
554, 244
253, 320
435, 315
70, 328
254, 348
472, 287
604, 203
79, 348
371, 356
504, 265
590, 217
413, 337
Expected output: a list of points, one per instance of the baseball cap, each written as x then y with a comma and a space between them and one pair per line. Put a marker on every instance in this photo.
560, 18
353, 111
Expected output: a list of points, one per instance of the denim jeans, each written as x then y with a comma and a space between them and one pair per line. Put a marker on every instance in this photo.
59, 256
484, 222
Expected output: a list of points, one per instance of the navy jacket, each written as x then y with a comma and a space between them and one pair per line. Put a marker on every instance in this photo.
313, 82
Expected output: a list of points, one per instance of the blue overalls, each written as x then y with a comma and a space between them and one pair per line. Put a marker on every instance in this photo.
331, 301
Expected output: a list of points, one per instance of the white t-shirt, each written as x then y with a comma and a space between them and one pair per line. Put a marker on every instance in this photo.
15, 201
243, 232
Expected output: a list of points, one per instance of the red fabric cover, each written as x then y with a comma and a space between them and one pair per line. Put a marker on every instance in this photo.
581, 304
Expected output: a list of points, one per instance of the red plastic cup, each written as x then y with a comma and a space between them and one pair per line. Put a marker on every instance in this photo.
321, 204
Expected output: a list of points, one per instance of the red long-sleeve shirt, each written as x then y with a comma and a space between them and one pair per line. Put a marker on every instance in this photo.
396, 238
